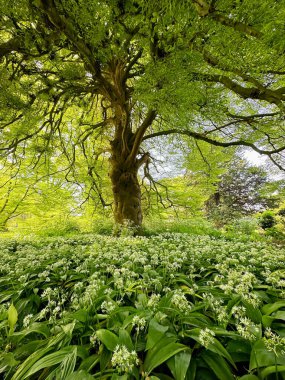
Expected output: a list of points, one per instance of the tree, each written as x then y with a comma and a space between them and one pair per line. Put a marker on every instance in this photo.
104, 79
25, 193
243, 190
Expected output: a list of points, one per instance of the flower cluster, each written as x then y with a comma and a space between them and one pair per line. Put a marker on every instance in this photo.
206, 337
274, 342
123, 359
138, 323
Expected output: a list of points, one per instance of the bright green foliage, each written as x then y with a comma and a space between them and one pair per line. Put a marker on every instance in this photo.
173, 306
78, 75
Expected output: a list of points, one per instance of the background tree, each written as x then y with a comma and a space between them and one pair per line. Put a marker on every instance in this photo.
103, 79
28, 195
243, 190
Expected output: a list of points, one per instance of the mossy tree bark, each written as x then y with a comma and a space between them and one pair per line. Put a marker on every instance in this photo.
126, 155
127, 194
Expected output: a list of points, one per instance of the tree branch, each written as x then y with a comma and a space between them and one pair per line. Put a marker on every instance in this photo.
138, 136
202, 137
262, 93
204, 9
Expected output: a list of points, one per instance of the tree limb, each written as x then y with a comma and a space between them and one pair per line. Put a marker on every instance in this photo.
202, 137
138, 136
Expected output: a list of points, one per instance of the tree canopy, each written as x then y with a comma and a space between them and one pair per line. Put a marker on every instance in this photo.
93, 85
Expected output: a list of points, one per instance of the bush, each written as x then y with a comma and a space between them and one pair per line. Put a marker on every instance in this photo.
246, 226
267, 220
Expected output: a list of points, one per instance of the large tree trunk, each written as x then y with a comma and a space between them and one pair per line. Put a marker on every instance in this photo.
127, 196
125, 148
125, 187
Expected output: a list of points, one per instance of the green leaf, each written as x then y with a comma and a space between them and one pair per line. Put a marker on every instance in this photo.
12, 318
222, 332
279, 315
267, 321
218, 365
191, 373
161, 352
88, 363
50, 360
239, 350
27, 349
7, 359
125, 339
272, 369
215, 347
155, 332
253, 313
118, 377
108, 338
39, 328
249, 377
68, 329
28, 363
68, 364
271, 307
179, 364
261, 357
160, 376
105, 358
80, 315
80, 375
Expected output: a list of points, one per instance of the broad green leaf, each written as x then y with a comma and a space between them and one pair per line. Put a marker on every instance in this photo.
105, 358
249, 377
253, 313
12, 317
67, 365
39, 328
27, 349
58, 339
53, 374
108, 338
21, 305
279, 315
118, 377
20, 374
80, 375
161, 352
218, 365
68, 329
222, 332
261, 357
125, 339
155, 332
49, 360
88, 363
272, 369
191, 373
179, 364
216, 346
160, 376
239, 350
80, 315
271, 307
267, 320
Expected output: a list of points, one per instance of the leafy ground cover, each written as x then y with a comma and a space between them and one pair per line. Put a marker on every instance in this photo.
171, 306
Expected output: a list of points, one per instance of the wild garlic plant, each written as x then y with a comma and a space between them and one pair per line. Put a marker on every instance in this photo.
133, 306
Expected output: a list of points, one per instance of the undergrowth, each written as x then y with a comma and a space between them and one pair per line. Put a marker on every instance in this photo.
171, 306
